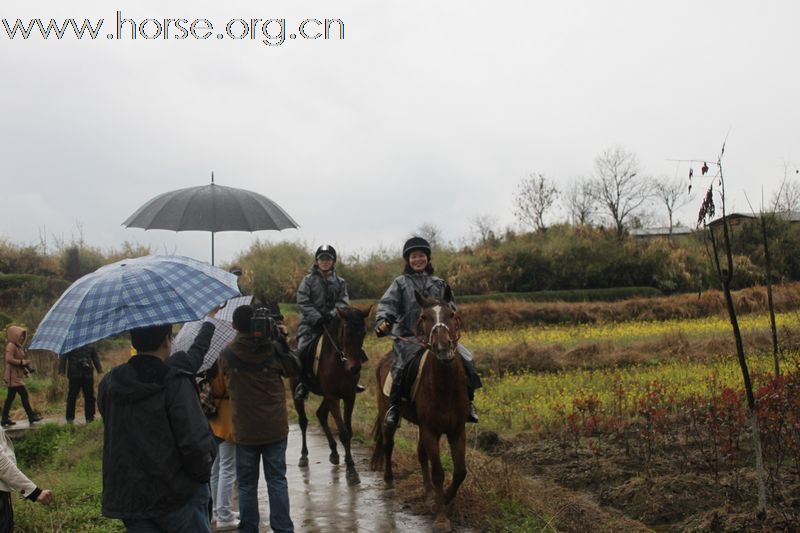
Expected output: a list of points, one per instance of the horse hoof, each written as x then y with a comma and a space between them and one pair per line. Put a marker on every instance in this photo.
389, 483
303, 462
441, 524
353, 478
334, 458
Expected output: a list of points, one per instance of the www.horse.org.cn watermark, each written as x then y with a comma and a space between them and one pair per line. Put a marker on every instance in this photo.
269, 31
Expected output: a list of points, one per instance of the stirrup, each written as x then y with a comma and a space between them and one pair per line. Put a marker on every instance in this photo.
472, 417
360, 388
392, 417
301, 392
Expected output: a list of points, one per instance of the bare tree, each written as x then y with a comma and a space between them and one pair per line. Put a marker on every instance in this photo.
671, 193
724, 271
431, 233
618, 185
483, 228
787, 198
536, 194
579, 201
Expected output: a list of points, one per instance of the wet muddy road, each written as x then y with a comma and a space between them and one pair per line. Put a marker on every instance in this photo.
322, 501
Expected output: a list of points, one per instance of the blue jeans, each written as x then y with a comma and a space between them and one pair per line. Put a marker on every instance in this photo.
223, 477
247, 466
191, 518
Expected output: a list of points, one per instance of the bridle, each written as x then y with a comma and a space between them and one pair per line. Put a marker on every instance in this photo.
341, 354
419, 338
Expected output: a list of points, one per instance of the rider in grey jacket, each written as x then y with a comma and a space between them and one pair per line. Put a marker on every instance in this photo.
320, 293
398, 311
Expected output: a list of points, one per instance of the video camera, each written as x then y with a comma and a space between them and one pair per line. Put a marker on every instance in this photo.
264, 325
29, 368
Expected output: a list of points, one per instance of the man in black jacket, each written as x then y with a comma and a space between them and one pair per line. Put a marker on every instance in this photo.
158, 447
79, 366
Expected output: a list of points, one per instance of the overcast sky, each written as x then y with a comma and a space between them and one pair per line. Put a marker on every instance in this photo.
426, 112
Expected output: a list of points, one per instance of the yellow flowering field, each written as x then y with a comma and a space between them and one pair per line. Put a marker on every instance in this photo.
621, 331
522, 401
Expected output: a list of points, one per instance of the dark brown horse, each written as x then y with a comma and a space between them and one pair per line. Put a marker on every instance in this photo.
441, 405
337, 375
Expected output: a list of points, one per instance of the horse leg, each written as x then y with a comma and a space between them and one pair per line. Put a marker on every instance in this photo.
302, 420
345, 437
458, 448
322, 416
422, 455
349, 404
431, 444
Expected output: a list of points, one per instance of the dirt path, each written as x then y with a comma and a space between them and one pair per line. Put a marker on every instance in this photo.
322, 501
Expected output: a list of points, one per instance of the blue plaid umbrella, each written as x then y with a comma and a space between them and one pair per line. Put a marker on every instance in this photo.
132, 293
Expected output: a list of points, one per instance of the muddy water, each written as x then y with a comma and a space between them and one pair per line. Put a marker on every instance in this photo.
321, 500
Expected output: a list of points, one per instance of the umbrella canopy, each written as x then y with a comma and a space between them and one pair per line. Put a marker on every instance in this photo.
223, 335
211, 208
226, 313
132, 293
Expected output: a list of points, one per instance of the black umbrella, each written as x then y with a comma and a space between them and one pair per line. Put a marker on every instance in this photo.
211, 208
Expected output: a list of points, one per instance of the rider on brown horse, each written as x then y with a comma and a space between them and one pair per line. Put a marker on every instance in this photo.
398, 312
318, 296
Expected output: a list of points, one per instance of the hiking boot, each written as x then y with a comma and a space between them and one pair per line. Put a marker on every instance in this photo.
472, 417
7, 422
301, 392
392, 417
360, 388
35, 418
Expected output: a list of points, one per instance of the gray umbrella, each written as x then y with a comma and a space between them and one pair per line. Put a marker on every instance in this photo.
211, 208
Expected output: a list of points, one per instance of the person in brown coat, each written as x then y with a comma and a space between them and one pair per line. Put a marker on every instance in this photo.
17, 368
254, 369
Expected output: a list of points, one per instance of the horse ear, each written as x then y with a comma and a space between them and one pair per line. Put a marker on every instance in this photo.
419, 298
448, 293
367, 311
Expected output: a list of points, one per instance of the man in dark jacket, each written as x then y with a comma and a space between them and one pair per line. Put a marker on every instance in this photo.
79, 366
158, 447
253, 369
319, 294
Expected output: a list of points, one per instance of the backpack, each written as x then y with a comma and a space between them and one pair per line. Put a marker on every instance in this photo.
208, 402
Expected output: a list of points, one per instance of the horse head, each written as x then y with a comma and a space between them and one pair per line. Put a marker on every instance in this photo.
350, 333
438, 325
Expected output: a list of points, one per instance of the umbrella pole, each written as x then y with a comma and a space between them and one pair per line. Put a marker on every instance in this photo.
212, 248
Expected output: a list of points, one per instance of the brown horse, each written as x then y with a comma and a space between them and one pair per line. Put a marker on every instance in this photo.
337, 375
441, 405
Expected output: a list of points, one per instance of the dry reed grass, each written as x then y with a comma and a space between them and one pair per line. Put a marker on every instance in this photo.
504, 315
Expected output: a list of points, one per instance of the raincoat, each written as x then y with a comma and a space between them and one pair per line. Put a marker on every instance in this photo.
317, 296
15, 357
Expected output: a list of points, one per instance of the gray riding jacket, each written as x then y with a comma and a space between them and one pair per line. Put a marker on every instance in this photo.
318, 295
399, 307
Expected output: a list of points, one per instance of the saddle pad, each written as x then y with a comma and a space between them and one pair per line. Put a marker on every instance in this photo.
317, 354
387, 385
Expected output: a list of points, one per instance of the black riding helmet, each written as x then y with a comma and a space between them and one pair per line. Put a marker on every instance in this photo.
325, 249
416, 243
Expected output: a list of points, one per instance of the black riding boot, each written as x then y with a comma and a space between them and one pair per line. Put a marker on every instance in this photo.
393, 414
473, 382
302, 389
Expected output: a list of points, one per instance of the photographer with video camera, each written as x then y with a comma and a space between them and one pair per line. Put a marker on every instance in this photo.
17, 369
253, 367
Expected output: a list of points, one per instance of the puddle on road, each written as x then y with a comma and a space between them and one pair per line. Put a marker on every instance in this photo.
321, 500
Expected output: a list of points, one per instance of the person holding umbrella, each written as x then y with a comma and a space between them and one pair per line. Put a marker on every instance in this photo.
158, 448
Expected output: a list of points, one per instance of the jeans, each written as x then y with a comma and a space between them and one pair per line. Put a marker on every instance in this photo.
247, 463
191, 518
223, 476
23, 394
76, 385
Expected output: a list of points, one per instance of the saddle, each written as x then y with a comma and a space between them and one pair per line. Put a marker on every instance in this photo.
410, 377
